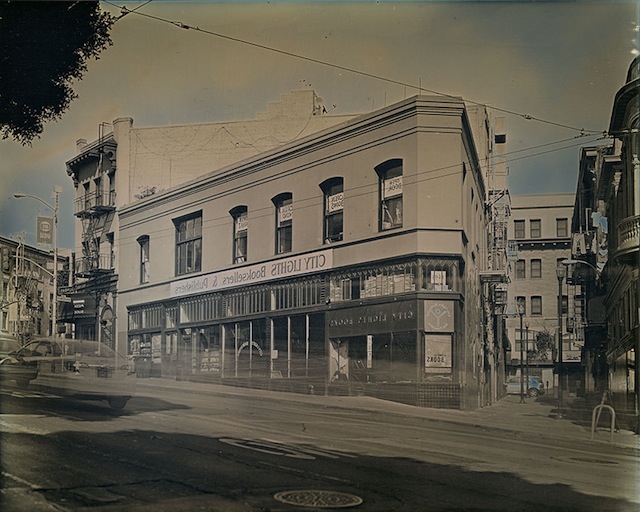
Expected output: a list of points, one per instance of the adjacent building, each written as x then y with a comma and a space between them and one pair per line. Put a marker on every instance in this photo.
621, 192
605, 253
590, 255
540, 229
26, 289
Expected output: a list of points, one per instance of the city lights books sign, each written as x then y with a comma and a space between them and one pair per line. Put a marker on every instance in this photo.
254, 274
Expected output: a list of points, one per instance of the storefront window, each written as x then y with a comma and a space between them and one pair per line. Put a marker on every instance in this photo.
298, 326
280, 354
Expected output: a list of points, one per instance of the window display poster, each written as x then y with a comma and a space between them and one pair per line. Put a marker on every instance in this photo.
437, 353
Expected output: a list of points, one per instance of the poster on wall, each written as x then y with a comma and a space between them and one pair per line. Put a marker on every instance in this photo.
437, 353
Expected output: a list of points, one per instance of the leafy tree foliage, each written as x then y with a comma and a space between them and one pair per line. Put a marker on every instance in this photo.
44, 47
544, 347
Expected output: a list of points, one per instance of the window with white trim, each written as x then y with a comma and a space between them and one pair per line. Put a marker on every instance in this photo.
240, 233
284, 222
143, 242
390, 184
333, 190
188, 244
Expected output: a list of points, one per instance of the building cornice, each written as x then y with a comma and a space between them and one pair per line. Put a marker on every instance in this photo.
412, 107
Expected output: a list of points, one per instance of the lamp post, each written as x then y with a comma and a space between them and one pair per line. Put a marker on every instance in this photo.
560, 275
54, 209
521, 313
526, 350
568, 262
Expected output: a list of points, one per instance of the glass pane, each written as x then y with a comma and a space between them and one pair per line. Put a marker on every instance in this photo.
334, 227
392, 213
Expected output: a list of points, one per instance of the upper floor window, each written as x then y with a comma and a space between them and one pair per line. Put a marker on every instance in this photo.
284, 222
143, 242
535, 228
521, 305
333, 190
562, 228
536, 305
520, 269
536, 268
390, 175
239, 216
188, 244
518, 227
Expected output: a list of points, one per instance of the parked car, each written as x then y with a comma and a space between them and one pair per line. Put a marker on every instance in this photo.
535, 387
8, 344
83, 369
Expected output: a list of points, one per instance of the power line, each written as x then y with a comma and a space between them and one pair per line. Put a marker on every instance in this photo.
185, 26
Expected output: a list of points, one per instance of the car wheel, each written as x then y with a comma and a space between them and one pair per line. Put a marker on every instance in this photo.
118, 402
533, 392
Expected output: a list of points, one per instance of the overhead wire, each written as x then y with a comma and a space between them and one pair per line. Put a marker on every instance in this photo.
287, 53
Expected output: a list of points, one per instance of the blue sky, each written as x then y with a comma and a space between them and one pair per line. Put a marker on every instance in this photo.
558, 62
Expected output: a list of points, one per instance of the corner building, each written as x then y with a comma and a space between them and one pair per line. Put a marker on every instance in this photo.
344, 262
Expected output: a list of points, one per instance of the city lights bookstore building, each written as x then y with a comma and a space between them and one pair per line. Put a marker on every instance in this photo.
346, 262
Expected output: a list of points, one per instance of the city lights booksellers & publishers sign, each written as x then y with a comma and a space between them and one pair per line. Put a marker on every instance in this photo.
254, 274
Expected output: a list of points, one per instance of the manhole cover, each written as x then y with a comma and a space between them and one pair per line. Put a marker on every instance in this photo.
318, 499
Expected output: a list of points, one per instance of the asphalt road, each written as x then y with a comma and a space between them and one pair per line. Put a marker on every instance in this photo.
170, 450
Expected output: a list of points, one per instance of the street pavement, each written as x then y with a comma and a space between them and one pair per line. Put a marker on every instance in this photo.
535, 417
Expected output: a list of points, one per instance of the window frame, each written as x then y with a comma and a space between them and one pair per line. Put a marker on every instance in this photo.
536, 305
390, 179
519, 229
565, 228
535, 228
535, 268
192, 244
521, 269
240, 235
521, 299
333, 210
283, 228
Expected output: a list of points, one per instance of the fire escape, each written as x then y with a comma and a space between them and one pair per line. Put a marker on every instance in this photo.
28, 291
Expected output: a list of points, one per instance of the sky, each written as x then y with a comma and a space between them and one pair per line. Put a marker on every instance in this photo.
558, 64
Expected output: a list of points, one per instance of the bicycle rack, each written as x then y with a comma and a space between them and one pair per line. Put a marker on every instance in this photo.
594, 420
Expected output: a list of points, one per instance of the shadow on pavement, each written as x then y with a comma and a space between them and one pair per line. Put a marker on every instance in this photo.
151, 470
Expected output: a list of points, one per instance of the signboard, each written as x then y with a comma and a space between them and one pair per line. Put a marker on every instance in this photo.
285, 213
335, 203
241, 222
286, 267
437, 353
396, 317
392, 187
438, 316
44, 233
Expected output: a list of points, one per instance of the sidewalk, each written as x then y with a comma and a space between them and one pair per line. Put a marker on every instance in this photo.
537, 416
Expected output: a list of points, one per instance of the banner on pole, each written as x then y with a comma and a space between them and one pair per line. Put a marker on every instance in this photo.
45, 230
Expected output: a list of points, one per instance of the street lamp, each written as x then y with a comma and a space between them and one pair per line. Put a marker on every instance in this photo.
560, 271
54, 209
526, 350
521, 313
